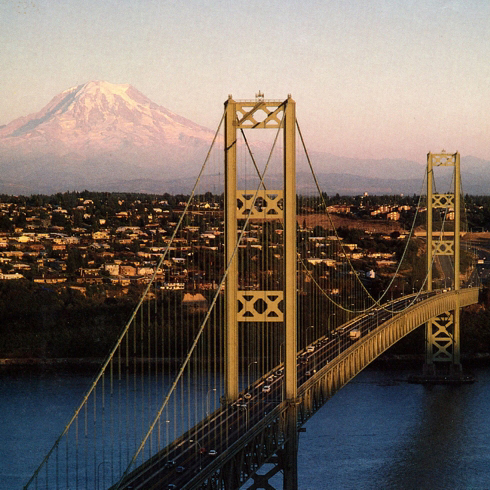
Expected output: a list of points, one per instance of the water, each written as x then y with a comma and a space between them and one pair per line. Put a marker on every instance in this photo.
377, 432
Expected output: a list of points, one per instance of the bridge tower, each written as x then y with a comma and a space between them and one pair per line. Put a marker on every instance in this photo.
263, 114
442, 333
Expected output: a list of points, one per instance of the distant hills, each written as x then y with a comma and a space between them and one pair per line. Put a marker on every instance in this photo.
108, 137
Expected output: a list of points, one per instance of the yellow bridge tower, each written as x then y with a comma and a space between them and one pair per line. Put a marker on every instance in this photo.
442, 358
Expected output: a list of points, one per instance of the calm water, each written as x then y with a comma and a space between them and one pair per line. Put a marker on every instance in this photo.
377, 432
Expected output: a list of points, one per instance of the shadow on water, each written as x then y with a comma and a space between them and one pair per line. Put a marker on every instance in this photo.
448, 446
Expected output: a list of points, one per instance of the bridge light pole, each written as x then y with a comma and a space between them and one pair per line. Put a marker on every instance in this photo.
312, 334
248, 373
198, 446
336, 336
207, 400
329, 319
245, 409
167, 422
98, 468
392, 303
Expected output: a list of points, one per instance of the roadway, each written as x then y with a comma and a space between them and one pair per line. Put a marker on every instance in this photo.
175, 466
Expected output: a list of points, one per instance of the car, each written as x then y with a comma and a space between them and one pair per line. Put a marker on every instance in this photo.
180, 469
247, 396
169, 464
171, 485
270, 378
266, 389
310, 349
213, 452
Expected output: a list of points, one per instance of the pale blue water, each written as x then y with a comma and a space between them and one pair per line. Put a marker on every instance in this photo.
376, 432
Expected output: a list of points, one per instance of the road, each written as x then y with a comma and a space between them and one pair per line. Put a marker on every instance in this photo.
177, 464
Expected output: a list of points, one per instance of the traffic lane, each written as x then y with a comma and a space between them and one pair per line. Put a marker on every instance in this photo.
176, 451
237, 426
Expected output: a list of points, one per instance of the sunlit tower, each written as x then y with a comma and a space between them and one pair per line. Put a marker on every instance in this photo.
443, 332
263, 114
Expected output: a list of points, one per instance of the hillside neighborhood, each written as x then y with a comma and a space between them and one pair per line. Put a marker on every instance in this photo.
73, 265
116, 240
64, 240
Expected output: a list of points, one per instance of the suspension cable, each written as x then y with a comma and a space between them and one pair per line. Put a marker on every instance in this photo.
100, 375
203, 324
376, 302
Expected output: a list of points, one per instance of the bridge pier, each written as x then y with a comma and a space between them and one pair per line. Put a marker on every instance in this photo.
290, 454
286, 459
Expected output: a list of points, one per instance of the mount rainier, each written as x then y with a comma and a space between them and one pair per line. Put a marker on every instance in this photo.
108, 137
96, 135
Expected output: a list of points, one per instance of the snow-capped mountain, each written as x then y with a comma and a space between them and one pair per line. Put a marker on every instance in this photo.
99, 131
103, 116
108, 137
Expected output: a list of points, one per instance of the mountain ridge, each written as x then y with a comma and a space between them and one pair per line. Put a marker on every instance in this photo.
90, 133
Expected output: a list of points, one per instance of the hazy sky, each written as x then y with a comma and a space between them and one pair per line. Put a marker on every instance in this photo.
371, 78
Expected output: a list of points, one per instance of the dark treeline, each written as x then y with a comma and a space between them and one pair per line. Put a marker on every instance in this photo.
38, 322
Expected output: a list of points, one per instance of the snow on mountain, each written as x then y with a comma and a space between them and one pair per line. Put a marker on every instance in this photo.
100, 117
94, 134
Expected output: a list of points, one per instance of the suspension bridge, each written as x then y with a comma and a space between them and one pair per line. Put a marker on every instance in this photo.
256, 314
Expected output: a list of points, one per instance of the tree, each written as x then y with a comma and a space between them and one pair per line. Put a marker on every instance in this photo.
74, 261
5, 223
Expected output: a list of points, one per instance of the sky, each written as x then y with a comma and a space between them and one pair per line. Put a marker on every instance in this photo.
371, 78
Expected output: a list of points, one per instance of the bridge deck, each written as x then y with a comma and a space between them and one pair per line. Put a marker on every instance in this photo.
204, 458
